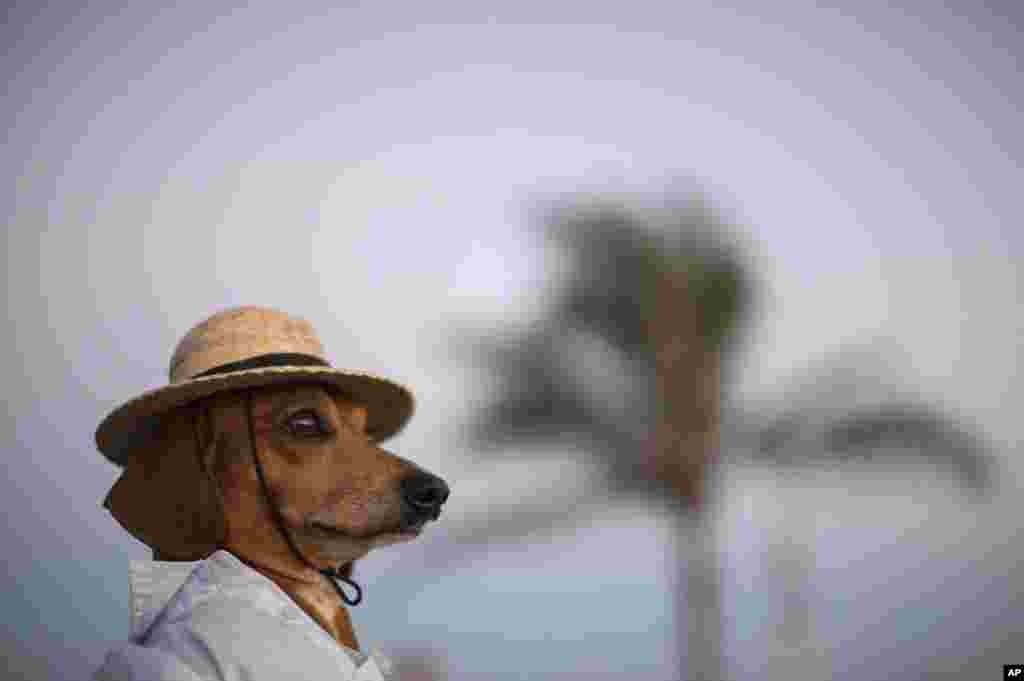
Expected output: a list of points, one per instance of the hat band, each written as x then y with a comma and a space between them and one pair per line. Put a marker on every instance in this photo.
272, 359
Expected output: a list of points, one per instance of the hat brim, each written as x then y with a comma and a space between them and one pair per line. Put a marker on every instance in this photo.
131, 426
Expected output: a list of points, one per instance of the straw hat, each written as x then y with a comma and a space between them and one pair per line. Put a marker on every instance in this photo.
247, 347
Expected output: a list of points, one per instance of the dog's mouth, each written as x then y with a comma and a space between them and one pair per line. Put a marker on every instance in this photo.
401, 534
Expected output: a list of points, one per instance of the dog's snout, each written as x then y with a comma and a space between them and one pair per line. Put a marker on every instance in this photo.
424, 494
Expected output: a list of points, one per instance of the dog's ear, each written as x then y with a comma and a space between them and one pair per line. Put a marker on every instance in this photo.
167, 496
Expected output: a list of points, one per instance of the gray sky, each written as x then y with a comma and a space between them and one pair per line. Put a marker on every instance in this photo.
368, 168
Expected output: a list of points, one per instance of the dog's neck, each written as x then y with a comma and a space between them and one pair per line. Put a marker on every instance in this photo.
308, 589
311, 591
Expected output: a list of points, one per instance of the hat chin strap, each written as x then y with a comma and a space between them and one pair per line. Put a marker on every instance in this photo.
331, 573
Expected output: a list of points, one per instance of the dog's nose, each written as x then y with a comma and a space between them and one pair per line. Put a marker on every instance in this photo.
424, 494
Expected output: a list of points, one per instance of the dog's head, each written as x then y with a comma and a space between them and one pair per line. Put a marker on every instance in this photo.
339, 494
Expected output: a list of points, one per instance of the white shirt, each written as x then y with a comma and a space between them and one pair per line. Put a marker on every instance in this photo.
218, 619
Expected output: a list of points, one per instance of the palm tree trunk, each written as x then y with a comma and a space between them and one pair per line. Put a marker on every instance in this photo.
688, 384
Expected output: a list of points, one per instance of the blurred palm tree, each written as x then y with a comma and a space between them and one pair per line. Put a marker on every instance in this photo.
632, 359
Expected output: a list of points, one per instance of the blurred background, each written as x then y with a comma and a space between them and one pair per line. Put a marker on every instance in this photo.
712, 313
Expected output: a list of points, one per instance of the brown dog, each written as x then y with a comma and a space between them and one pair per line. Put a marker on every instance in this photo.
260, 462
337, 493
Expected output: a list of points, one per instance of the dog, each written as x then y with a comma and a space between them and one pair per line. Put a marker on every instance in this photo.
283, 480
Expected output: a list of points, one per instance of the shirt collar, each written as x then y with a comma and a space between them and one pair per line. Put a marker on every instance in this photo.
153, 585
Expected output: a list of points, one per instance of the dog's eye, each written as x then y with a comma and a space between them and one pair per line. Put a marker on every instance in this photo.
306, 423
